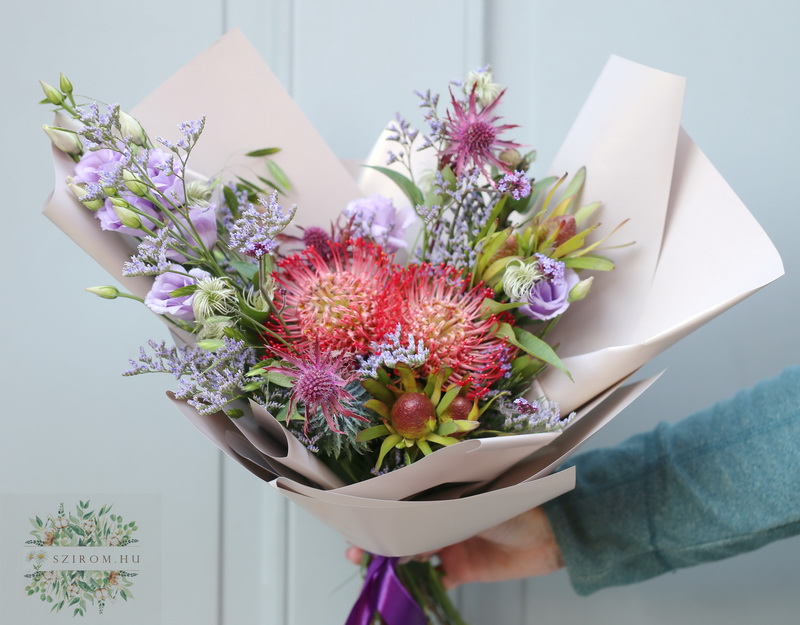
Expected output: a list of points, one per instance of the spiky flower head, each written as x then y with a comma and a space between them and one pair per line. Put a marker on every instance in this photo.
446, 314
320, 379
344, 302
213, 297
473, 136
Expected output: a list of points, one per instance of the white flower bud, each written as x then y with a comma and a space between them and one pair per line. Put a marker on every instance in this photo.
127, 217
65, 140
64, 83
106, 292
134, 183
580, 290
129, 127
53, 95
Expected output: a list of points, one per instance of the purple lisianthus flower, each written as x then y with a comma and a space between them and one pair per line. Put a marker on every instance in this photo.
204, 220
376, 218
548, 297
95, 165
161, 302
160, 171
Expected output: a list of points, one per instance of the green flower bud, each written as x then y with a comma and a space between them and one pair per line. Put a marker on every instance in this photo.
134, 183
106, 292
129, 127
65, 140
580, 290
126, 216
65, 84
53, 95
110, 191
80, 193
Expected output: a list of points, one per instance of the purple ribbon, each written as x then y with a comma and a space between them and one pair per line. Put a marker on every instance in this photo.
385, 594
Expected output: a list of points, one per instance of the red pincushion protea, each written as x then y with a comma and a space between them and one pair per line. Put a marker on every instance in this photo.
343, 302
473, 136
441, 309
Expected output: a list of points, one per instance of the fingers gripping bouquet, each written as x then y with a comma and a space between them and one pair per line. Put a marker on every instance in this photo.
380, 369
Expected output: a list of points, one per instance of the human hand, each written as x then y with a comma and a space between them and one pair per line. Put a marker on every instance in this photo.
524, 546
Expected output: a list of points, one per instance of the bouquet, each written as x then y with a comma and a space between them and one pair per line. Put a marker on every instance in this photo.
387, 367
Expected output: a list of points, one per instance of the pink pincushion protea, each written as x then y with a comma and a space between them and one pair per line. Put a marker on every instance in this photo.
473, 136
342, 303
443, 311
320, 381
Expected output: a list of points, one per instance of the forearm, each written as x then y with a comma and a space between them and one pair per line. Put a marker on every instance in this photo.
716, 484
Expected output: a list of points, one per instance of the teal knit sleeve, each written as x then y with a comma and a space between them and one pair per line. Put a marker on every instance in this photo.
721, 482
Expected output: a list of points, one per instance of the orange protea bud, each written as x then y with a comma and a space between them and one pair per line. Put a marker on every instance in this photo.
413, 414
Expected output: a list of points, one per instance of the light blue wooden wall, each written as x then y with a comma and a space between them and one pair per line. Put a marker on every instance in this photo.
351, 64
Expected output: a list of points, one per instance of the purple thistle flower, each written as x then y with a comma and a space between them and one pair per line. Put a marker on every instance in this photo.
473, 136
320, 381
516, 183
254, 233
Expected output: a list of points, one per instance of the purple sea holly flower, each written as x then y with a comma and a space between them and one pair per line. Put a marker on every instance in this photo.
161, 302
376, 218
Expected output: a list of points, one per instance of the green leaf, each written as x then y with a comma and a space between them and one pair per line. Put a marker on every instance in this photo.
532, 345
211, 345
279, 379
263, 152
235, 413
277, 173
575, 185
444, 402
184, 290
378, 390
594, 263
492, 307
388, 443
230, 200
246, 270
406, 186
584, 212
371, 433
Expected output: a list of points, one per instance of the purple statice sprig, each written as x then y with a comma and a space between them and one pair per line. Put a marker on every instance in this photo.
391, 351
516, 183
99, 130
151, 256
529, 417
190, 133
254, 233
207, 380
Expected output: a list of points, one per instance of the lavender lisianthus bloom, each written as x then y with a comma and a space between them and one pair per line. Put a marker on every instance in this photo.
548, 296
376, 218
204, 221
94, 165
161, 302
160, 170
109, 220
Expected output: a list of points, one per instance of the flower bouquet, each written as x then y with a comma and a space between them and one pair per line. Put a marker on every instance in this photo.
389, 362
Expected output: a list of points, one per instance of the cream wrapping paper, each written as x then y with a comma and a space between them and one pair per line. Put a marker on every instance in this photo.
674, 278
